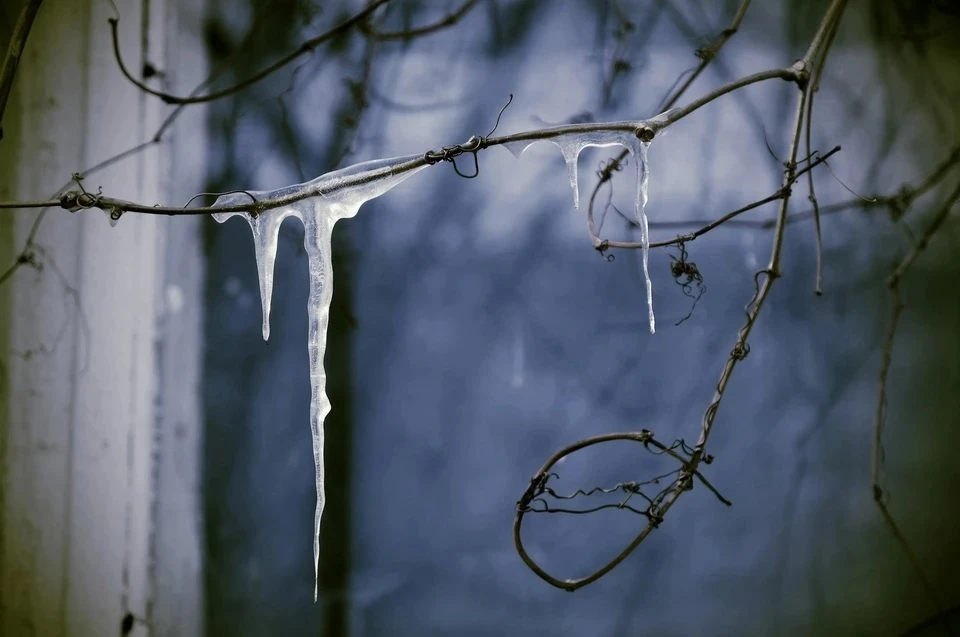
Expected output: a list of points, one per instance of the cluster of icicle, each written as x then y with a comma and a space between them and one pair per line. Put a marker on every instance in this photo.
320, 203
571, 144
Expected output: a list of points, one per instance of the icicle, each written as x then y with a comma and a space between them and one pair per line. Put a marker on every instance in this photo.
640, 210
266, 233
319, 204
571, 144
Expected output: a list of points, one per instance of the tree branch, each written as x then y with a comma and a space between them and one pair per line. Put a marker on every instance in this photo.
304, 48
710, 54
645, 129
781, 193
799, 72
406, 34
893, 283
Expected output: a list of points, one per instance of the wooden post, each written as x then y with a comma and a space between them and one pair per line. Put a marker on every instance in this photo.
100, 521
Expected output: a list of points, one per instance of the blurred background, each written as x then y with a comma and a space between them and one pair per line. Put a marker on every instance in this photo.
475, 330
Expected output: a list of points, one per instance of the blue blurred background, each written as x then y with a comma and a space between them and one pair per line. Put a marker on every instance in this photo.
475, 331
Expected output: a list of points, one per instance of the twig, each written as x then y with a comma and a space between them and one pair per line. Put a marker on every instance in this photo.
898, 203
304, 48
709, 55
645, 129
772, 271
815, 86
448, 21
26, 255
654, 512
14, 51
893, 283
684, 481
781, 193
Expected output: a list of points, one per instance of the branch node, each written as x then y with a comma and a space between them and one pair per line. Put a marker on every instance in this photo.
801, 73
740, 351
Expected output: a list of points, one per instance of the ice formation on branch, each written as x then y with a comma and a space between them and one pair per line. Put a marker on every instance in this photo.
319, 204
571, 144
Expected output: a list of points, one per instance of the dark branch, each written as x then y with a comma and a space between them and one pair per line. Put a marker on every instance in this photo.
303, 49
407, 34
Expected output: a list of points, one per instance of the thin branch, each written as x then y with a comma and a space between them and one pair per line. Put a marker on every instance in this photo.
893, 283
684, 482
304, 48
645, 129
781, 193
448, 21
812, 196
707, 54
898, 202
14, 52
27, 255
772, 271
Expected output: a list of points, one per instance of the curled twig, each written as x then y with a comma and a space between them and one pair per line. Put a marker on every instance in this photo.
534, 499
687, 275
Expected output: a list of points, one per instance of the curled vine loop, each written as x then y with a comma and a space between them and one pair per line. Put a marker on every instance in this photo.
602, 248
687, 276
539, 496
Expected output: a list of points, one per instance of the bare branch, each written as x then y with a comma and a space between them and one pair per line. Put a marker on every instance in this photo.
707, 54
893, 283
447, 21
781, 193
644, 129
304, 48
799, 72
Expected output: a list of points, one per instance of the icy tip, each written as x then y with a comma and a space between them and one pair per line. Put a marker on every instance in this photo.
113, 216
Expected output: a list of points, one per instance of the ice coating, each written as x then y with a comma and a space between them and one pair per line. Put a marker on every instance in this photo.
571, 144
113, 217
319, 204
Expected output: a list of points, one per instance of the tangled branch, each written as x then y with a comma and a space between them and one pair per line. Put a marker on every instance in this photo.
536, 498
763, 280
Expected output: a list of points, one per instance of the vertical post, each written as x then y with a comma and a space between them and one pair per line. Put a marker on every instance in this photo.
99, 336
